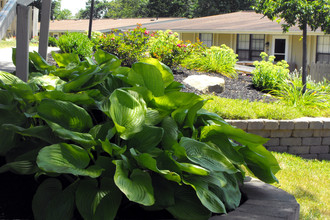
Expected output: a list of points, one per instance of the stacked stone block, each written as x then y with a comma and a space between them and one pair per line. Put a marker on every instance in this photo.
305, 137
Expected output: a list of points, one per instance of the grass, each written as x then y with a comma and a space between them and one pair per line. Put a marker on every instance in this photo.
243, 109
308, 181
12, 43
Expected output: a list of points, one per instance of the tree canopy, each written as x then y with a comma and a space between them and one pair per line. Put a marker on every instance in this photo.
163, 8
302, 13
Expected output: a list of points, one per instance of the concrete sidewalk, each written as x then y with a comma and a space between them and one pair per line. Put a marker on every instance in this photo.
6, 63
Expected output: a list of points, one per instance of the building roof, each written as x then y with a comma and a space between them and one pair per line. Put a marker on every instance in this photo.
237, 22
104, 25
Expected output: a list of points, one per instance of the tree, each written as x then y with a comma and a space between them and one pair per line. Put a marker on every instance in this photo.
128, 9
303, 13
101, 8
55, 8
64, 14
214, 7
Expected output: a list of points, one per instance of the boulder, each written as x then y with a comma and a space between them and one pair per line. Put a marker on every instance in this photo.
206, 84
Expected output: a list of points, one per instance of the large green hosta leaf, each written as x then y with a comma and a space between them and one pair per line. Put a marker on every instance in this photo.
80, 98
147, 161
89, 78
50, 202
207, 156
187, 205
66, 114
64, 59
217, 191
166, 72
127, 113
16, 86
102, 57
151, 76
40, 63
208, 133
20, 167
137, 186
41, 132
174, 100
261, 162
47, 81
208, 198
66, 158
85, 139
47, 190
147, 139
171, 133
98, 202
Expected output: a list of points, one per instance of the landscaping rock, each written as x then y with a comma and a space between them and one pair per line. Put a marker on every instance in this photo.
206, 84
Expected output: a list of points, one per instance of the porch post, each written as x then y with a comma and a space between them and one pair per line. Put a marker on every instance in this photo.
44, 28
22, 39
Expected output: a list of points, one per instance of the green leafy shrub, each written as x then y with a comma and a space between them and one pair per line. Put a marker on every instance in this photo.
168, 48
291, 92
52, 42
77, 43
129, 46
267, 75
215, 59
108, 137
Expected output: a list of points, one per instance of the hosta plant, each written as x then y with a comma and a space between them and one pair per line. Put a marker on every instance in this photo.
100, 137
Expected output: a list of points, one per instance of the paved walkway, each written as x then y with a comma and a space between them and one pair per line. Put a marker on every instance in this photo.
6, 63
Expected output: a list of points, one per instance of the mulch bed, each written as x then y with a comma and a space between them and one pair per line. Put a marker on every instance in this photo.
239, 88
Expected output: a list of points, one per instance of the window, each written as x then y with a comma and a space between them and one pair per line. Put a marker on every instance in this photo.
207, 39
249, 46
323, 49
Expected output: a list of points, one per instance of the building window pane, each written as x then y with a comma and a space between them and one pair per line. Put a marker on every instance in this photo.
249, 46
207, 39
323, 49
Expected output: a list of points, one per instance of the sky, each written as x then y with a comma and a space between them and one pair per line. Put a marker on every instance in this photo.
73, 5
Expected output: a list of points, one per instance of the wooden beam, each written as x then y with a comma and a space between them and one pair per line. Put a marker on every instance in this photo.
7, 15
44, 28
22, 42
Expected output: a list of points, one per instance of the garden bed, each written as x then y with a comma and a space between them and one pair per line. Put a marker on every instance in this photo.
239, 88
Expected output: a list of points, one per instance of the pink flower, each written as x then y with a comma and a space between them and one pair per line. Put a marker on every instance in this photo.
112, 38
151, 35
170, 32
179, 45
146, 32
184, 45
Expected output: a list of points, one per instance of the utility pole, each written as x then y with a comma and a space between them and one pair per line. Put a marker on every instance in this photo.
91, 20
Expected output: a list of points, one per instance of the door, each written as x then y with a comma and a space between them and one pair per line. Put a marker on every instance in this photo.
280, 48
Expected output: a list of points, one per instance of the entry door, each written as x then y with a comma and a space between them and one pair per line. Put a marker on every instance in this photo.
280, 48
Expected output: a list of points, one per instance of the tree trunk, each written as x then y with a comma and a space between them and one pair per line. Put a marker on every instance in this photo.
304, 64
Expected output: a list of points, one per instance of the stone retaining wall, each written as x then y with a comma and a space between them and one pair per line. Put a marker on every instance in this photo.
306, 137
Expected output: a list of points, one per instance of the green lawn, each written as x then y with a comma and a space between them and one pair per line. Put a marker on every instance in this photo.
12, 43
243, 109
308, 181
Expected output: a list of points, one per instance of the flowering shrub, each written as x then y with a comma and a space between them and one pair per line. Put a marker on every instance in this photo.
269, 75
168, 48
129, 46
215, 59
